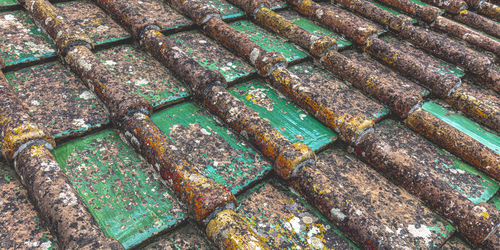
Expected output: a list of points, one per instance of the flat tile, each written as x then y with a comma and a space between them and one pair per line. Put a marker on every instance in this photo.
456, 243
21, 40
7, 3
286, 117
269, 41
211, 148
327, 90
143, 75
313, 27
284, 221
20, 226
186, 237
398, 211
496, 201
229, 11
160, 13
466, 180
120, 189
211, 55
89, 18
57, 99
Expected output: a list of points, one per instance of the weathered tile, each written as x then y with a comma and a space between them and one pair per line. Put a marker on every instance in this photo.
441, 66
144, 75
466, 180
57, 99
456, 243
284, 221
211, 149
211, 55
186, 237
7, 3
127, 200
88, 17
465, 125
20, 227
311, 26
269, 41
397, 210
21, 40
496, 201
289, 119
325, 86
229, 11
393, 11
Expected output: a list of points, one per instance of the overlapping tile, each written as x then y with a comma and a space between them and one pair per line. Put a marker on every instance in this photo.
286, 222
455, 243
186, 237
284, 116
20, 226
88, 17
120, 190
211, 149
57, 99
209, 54
143, 75
21, 40
4, 4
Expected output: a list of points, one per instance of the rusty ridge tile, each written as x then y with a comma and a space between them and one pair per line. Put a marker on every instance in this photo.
211, 55
425, 12
458, 135
452, 7
212, 149
479, 22
341, 21
143, 75
286, 222
488, 9
86, 16
57, 99
398, 93
398, 212
447, 185
186, 237
21, 226
121, 191
21, 40
456, 243
283, 115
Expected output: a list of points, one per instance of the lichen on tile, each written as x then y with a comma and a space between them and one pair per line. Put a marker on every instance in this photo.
186, 237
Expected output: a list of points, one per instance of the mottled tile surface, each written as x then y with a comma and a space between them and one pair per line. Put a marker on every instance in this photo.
468, 181
88, 17
313, 27
286, 117
158, 12
269, 41
229, 11
20, 226
213, 150
399, 212
143, 75
186, 237
456, 244
21, 40
128, 201
285, 222
332, 92
57, 99
7, 3
211, 55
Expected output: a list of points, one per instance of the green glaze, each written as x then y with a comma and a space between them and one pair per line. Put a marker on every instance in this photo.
395, 12
26, 43
128, 203
227, 10
465, 125
268, 41
243, 164
419, 2
284, 116
496, 201
7, 3
211, 55
314, 28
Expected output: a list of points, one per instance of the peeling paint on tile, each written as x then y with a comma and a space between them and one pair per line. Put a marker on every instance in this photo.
57, 99
289, 119
211, 149
143, 75
122, 192
21, 40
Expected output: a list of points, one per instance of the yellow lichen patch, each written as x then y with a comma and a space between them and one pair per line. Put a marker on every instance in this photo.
291, 157
21, 134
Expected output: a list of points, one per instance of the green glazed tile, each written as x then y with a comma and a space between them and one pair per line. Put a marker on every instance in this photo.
7, 3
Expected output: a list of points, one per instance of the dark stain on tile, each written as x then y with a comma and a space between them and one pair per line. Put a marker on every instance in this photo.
186, 237
455, 243
57, 99
143, 75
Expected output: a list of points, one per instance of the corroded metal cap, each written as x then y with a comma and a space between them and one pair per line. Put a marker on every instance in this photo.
323, 44
15, 138
266, 62
292, 158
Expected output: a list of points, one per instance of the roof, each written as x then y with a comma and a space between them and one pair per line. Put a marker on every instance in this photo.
388, 137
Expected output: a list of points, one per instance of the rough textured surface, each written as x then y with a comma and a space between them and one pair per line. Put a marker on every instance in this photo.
455, 243
122, 192
143, 75
52, 85
21, 40
212, 150
285, 222
20, 222
186, 237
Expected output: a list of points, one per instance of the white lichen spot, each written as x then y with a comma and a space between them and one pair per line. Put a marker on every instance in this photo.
336, 213
68, 198
319, 13
35, 103
422, 232
141, 81
205, 132
307, 220
46, 245
254, 55
86, 95
47, 21
38, 48
102, 28
9, 17
202, 41
31, 244
302, 116
315, 243
80, 123
358, 212
109, 62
